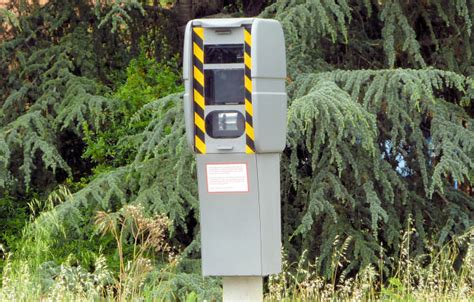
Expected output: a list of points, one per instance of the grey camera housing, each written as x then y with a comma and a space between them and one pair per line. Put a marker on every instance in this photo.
237, 128
268, 78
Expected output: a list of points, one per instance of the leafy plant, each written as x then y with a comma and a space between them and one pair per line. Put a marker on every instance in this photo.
147, 80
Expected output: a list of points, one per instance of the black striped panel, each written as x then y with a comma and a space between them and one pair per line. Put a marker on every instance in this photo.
198, 90
249, 130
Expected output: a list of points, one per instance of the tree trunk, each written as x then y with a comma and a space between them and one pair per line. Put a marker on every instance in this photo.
184, 11
252, 7
204, 8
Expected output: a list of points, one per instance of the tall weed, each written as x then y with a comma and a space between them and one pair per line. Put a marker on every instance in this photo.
445, 273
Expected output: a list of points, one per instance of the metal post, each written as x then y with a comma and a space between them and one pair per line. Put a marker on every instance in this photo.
243, 288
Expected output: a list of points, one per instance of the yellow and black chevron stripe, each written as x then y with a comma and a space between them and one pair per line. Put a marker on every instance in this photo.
198, 93
250, 136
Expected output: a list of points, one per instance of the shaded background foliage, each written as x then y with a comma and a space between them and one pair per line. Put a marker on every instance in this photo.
379, 126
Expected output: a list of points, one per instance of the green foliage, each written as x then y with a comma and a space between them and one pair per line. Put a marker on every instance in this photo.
8, 17
375, 34
369, 147
118, 13
57, 75
397, 28
14, 216
54, 109
155, 180
367, 153
380, 139
147, 80
49, 91
324, 18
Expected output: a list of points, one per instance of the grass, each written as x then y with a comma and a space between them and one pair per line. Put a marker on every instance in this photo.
436, 276
433, 277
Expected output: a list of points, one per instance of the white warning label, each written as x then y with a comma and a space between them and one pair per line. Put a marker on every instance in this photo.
227, 178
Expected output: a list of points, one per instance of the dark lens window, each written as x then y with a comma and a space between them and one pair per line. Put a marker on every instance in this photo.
225, 124
223, 53
224, 86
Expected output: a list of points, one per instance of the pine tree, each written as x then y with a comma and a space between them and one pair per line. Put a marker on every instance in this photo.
58, 63
373, 141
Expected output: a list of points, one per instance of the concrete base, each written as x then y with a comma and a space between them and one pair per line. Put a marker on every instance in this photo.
243, 288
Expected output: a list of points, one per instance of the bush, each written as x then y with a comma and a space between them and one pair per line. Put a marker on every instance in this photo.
147, 80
